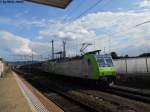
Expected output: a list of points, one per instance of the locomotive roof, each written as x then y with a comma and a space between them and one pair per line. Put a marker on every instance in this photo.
104, 55
93, 52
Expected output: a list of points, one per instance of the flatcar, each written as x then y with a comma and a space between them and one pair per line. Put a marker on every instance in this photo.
92, 66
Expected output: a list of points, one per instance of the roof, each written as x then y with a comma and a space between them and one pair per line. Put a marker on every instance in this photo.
93, 52
54, 3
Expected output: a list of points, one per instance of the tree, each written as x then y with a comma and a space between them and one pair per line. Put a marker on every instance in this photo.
114, 55
144, 55
126, 56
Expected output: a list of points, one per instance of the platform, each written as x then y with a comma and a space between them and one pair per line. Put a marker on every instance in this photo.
16, 95
11, 97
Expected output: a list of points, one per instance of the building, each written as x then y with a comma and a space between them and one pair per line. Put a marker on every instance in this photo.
1, 67
55, 3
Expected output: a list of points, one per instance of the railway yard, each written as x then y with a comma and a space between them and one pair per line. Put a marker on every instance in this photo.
74, 56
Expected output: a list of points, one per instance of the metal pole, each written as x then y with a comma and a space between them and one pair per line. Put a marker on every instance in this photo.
64, 49
146, 65
104, 50
52, 49
126, 65
32, 57
109, 41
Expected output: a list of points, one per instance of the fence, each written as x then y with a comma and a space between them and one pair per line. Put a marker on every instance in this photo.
132, 65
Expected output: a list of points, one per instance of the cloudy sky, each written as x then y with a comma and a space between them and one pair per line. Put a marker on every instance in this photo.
27, 28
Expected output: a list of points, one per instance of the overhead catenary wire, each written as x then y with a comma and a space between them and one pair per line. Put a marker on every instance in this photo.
113, 33
116, 33
90, 8
94, 5
142, 23
125, 32
72, 11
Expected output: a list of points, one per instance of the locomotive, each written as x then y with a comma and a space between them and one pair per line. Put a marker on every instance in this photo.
92, 66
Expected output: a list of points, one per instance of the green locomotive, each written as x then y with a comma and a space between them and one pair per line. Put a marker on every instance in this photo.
92, 65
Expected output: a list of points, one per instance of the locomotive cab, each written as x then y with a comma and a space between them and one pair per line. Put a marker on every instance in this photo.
106, 68
103, 67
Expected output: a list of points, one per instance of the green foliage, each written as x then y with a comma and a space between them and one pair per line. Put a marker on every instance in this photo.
114, 55
144, 55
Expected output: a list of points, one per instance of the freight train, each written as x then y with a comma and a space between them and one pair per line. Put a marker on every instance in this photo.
91, 66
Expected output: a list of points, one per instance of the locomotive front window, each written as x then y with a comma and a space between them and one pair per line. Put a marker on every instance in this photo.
105, 62
109, 62
101, 62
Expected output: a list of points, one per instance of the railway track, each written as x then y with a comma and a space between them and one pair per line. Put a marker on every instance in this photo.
131, 93
98, 101
132, 90
126, 104
64, 100
74, 99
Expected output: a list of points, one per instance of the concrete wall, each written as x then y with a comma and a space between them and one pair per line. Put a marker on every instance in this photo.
132, 65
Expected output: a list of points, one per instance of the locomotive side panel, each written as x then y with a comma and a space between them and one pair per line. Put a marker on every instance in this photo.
74, 68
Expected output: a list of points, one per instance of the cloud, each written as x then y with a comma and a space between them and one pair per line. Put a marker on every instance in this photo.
109, 30
15, 44
22, 50
25, 23
100, 26
22, 46
144, 3
118, 21
22, 13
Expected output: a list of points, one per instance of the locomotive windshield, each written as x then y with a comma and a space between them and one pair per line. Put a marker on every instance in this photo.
104, 61
109, 62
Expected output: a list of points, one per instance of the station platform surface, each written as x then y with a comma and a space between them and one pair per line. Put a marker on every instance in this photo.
16, 95
11, 97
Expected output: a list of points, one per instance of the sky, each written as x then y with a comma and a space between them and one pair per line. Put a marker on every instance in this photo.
28, 28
